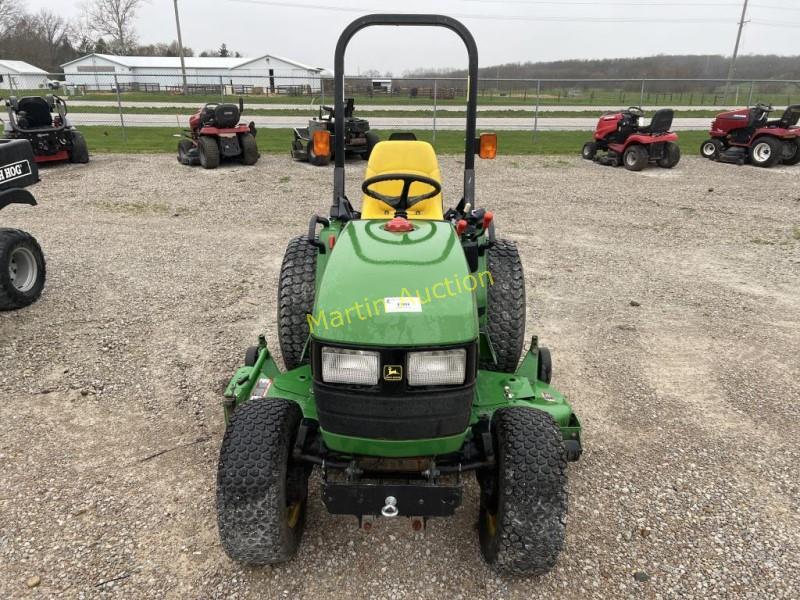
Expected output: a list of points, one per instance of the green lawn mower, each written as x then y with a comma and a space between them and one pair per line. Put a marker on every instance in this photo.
401, 328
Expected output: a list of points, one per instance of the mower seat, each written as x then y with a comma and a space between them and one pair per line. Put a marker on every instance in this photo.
37, 112
403, 156
660, 123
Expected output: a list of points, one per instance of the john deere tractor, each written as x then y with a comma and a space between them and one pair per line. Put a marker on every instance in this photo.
401, 327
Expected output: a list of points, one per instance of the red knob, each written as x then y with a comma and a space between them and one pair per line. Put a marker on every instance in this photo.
461, 226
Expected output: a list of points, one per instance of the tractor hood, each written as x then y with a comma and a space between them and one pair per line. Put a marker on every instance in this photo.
382, 288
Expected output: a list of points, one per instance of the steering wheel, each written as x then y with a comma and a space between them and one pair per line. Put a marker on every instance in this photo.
764, 107
402, 202
636, 111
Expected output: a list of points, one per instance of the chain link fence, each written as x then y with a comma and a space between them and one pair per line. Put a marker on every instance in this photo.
166, 99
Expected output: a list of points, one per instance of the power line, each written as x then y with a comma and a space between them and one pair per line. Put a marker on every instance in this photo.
603, 4
544, 19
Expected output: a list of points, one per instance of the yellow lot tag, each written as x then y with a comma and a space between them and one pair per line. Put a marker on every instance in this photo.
403, 304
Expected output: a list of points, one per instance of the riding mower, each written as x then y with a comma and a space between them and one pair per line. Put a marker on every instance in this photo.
746, 134
358, 139
51, 136
619, 135
22, 265
401, 327
215, 133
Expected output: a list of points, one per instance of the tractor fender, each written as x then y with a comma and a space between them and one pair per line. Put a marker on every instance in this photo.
16, 196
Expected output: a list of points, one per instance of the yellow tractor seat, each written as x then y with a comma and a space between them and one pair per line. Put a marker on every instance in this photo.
402, 156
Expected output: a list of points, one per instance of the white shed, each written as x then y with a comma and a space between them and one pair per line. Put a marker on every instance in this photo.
265, 74
18, 75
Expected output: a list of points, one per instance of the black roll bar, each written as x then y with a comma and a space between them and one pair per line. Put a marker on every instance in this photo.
340, 204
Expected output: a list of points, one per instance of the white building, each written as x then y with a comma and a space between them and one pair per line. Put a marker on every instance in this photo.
265, 74
18, 75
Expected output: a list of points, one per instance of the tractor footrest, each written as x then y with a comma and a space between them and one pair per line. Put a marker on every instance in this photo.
411, 499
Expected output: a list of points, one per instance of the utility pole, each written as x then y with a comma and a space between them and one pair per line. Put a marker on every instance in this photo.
732, 67
180, 48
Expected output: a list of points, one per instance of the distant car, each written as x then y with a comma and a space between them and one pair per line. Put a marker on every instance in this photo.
54, 84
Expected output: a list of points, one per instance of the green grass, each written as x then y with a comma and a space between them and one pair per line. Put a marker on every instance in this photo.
142, 140
424, 112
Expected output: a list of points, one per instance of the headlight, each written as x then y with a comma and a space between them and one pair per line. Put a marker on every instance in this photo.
340, 365
439, 367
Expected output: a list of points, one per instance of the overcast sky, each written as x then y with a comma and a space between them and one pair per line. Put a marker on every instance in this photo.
505, 30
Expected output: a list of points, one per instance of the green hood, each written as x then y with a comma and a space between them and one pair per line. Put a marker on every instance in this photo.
397, 289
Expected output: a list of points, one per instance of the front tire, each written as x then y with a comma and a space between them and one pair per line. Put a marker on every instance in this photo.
261, 492
250, 155
711, 148
589, 150
523, 509
79, 153
766, 152
672, 156
208, 149
184, 146
505, 306
296, 289
22, 269
635, 158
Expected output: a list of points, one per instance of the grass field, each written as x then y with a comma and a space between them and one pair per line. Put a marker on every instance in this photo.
277, 141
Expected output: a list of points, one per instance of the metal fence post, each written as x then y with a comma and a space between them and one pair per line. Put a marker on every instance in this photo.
536, 111
119, 108
750, 95
641, 96
434, 109
221, 89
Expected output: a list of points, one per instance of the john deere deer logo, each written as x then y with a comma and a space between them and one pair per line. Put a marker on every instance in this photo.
392, 372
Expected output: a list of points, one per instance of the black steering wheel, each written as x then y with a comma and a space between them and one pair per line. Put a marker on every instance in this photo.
764, 107
402, 202
636, 111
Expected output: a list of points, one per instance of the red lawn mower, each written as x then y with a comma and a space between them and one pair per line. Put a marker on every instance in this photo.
51, 136
215, 133
746, 134
619, 135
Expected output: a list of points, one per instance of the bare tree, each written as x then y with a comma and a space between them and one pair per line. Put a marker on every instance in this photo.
114, 18
55, 32
9, 15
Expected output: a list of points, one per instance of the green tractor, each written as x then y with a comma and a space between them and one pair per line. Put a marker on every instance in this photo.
401, 327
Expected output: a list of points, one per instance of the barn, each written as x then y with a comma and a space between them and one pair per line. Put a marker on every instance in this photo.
18, 75
265, 74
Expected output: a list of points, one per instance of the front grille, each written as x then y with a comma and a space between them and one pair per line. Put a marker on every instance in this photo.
392, 410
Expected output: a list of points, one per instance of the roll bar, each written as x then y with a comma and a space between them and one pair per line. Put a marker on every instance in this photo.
340, 205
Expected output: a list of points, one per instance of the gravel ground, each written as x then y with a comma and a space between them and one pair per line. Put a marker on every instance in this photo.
669, 298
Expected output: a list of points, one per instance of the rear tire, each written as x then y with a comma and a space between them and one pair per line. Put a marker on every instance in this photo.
79, 153
317, 161
372, 139
672, 156
791, 152
589, 150
505, 310
296, 289
261, 493
766, 152
249, 149
208, 149
22, 269
711, 149
635, 158
523, 507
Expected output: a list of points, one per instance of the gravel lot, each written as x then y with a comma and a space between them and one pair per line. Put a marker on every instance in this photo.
670, 300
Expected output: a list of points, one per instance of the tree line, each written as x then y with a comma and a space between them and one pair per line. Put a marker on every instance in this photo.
656, 67
48, 40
